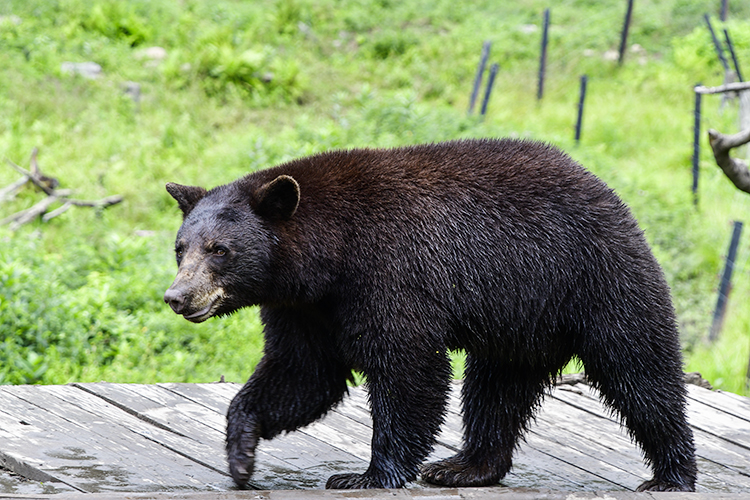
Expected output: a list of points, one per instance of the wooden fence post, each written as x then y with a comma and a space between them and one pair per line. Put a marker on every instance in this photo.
543, 56
725, 287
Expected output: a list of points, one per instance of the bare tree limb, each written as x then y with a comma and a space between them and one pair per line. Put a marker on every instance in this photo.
103, 203
49, 186
46, 184
729, 87
25, 216
9, 191
734, 168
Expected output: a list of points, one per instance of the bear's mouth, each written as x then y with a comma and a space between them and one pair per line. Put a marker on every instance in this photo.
199, 316
214, 301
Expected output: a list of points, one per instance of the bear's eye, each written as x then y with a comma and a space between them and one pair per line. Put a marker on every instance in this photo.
220, 251
179, 251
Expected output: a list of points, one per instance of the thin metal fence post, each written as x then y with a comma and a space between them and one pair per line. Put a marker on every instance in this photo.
488, 91
717, 44
480, 72
734, 56
543, 56
581, 99
726, 281
696, 144
625, 31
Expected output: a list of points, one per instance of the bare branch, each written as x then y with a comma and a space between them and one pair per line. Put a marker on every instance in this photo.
46, 184
58, 211
734, 168
33, 163
9, 191
25, 216
729, 87
49, 186
103, 203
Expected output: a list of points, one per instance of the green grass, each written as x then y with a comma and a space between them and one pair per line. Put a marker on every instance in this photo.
246, 85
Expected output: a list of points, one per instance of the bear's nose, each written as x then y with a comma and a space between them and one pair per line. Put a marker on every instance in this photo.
176, 299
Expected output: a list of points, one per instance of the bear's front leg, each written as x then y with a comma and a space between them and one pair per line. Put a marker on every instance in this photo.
407, 399
242, 438
299, 379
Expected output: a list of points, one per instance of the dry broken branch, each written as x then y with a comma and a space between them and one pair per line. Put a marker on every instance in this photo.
49, 186
734, 168
729, 87
9, 192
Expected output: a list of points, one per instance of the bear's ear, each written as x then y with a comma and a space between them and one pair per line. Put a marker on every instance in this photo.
186, 196
279, 198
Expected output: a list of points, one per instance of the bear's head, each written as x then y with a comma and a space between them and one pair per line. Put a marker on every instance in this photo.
224, 246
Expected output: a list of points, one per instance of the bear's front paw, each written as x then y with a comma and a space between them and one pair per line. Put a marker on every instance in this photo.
352, 482
241, 443
456, 471
656, 485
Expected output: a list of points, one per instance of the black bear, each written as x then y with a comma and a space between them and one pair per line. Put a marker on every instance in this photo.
382, 260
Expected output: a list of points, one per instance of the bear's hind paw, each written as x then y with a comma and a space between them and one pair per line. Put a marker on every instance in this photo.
352, 482
656, 485
456, 472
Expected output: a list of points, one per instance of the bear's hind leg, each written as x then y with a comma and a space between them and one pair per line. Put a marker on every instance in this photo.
643, 381
497, 404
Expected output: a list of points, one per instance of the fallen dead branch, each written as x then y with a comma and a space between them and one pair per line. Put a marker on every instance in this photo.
734, 168
49, 186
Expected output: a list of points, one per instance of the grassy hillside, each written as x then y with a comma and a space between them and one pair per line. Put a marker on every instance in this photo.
244, 85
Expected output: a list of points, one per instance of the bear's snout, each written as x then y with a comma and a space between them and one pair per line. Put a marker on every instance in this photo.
176, 300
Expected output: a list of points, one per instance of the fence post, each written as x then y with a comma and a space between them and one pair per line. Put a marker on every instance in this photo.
543, 56
480, 72
488, 91
581, 99
717, 45
625, 30
696, 144
724, 10
725, 287
734, 56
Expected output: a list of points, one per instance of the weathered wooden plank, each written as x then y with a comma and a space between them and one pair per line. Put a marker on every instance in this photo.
600, 449
726, 402
723, 465
526, 469
537, 463
15, 484
545, 448
288, 462
321, 460
91, 453
486, 493
575, 445
194, 437
312, 441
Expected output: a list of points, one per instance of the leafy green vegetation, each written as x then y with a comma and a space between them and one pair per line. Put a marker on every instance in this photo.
240, 86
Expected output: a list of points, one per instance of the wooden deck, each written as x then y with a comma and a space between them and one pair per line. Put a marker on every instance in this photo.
167, 441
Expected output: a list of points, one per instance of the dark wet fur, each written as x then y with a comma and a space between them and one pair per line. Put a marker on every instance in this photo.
383, 260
